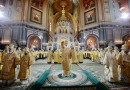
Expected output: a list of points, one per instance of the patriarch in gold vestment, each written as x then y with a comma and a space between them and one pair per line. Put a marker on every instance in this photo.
66, 59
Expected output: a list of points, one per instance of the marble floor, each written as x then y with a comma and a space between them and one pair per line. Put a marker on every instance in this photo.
97, 70
37, 69
41, 65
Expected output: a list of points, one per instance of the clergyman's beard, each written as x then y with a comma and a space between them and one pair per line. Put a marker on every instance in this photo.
25, 53
126, 51
10, 51
65, 46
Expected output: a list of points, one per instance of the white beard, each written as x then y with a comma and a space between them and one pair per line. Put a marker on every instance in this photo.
66, 46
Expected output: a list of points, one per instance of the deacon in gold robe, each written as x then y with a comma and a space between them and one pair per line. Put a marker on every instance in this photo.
9, 62
5, 51
96, 58
80, 56
74, 55
33, 55
37, 54
0, 56
49, 56
92, 55
101, 55
59, 56
45, 54
0, 63
56, 57
66, 59
25, 66
19, 52
40, 54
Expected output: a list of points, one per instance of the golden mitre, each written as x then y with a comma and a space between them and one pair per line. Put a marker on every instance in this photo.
124, 46
6, 46
11, 46
19, 48
72, 47
109, 48
116, 48
62, 43
26, 49
66, 41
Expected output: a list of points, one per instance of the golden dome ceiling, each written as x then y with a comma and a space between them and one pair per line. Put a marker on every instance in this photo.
59, 4
68, 5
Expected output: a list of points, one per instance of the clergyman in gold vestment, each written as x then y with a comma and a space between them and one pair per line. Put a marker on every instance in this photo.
9, 62
25, 66
49, 56
66, 59
124, 64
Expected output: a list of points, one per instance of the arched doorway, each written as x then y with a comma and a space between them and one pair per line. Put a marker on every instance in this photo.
91, 42
126, 40
34, 42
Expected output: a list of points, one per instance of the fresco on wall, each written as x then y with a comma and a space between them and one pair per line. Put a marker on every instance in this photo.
18, 5
3, 2
88, 4
34, 42
91, 42
90, 11
123, 5
18, 10
36, 16
90, 17
11, 2
37, 4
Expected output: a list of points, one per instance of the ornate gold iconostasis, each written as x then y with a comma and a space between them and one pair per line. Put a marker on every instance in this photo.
34, 42
91, 42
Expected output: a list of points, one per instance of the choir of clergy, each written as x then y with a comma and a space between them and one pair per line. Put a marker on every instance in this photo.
10, 60
116, 63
